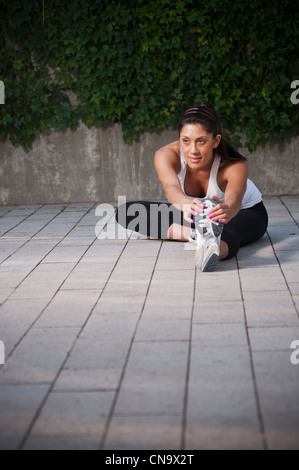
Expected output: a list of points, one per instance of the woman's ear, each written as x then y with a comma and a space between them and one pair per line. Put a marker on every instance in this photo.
216, 141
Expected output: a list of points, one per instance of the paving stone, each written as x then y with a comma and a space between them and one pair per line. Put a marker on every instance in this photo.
104, 342
26, 210
8, 247
32, 253
39, 356
63, 443
292, 274
51, 208
150, 329
222, 413
88, 380
295, 216
296, 300
287, 258
6, 209
18, 405
160, 432
7, 224
174, 277
257, 254
72, 414
218, 312
120, 303
214, 286
86, 277
262, 279
284, 240
171, 301
290, 201
55, 229
102, 327
83, 231
136, 340
153, 309
228, 265
16, 317
278, 384
155, 379
270, 308
88, 220
171, 247
106, 247
273, 338
84, 206
280, 219
65, 254
68, 308
294, 288
272, 201
182, 263
12, 276
4, 294
141, 249
276, 210
220, 335
99, 354
128, 288
162, 283
43, 282
134, 267
27, 228
76, 241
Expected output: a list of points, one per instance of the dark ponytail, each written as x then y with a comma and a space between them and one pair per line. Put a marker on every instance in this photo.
204, 113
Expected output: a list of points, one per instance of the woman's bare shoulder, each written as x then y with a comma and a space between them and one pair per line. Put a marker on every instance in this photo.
172, 148
168, 155
229, 168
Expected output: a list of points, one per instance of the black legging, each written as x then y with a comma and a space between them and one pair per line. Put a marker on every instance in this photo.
153, 219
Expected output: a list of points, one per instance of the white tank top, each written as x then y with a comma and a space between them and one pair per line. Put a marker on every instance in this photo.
251, 197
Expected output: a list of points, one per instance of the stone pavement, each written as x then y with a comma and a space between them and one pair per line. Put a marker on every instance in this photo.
121, 344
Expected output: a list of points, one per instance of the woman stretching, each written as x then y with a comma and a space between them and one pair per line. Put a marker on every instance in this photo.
214, 204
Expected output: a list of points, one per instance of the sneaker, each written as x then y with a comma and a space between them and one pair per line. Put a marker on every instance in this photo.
191, 245
208, 235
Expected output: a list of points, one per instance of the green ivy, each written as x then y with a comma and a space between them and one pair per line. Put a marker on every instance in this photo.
142, 63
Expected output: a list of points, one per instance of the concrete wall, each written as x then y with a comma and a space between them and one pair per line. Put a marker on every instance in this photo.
95, 165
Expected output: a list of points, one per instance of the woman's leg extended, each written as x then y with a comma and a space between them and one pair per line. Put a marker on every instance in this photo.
179, 232
247, 227
159, 220
224, 250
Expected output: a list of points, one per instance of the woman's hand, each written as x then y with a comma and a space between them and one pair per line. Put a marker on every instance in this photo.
193, 208
221, 213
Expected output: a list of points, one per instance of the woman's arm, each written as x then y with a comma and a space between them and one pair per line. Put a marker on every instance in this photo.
236, 176
167, 164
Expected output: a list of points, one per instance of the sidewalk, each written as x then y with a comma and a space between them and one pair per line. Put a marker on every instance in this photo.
120, 344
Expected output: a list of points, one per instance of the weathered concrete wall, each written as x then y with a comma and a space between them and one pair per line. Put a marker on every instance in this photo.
95, 165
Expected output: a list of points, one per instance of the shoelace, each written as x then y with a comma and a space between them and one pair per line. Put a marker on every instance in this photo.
204, 223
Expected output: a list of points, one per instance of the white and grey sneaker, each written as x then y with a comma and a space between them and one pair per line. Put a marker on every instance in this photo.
208, 235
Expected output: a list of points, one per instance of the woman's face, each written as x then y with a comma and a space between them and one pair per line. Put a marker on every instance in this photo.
197, 145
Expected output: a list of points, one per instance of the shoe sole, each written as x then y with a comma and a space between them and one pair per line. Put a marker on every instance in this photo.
215, 229
211, 264
206, 259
